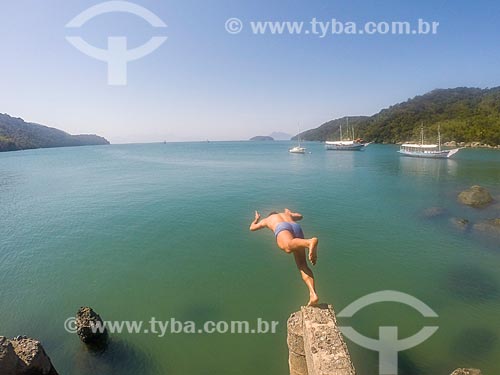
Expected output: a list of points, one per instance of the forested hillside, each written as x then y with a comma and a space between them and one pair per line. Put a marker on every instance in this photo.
464, 115
16, 134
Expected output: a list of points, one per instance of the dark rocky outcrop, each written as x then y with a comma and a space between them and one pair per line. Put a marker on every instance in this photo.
87, 324
476, 196
24, 356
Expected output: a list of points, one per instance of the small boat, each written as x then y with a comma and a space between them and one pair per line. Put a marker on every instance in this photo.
297, 149
354, 145
427, 151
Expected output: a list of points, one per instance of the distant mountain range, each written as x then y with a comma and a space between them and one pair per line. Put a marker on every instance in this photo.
16, 134
463, 114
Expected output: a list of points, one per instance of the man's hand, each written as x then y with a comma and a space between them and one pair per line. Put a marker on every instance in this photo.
295, 215
255, 224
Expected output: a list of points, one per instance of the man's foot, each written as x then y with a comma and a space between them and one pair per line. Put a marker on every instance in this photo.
313, 300
313, 250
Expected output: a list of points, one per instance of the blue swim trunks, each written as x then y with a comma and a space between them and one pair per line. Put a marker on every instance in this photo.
293, 228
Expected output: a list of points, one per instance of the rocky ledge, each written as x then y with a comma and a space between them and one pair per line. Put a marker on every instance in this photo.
24, 356
466, 371
316, 345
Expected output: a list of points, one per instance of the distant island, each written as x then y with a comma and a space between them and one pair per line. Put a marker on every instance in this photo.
281, 136
16, 134
464, 115
262, 138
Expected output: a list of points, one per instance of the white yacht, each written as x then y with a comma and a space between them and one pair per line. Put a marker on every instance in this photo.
298, 149
354, 145
426, 151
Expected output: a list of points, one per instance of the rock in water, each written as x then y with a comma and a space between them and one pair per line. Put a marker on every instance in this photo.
433, 212
489, 227
475, 196
466, 371
460, 223
24, 356
90, 327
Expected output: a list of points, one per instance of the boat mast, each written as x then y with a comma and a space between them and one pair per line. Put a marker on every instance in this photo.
340, 132
422, 134
298, 135
352, 131
439, 137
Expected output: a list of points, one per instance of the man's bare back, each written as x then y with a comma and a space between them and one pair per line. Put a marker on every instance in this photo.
290, 238
275, 218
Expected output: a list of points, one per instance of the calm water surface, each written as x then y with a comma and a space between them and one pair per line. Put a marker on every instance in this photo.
161, 230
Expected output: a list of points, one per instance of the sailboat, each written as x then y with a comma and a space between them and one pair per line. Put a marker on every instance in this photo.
354, 145
427, 151
297, 149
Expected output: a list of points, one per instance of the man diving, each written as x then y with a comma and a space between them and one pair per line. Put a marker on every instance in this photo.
290, 238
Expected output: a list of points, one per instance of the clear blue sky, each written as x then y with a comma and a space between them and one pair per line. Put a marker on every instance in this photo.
204, 83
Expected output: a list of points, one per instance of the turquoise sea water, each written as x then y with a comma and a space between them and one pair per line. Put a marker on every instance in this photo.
161, 230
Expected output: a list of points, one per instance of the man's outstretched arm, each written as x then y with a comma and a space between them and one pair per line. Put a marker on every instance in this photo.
295, 215
256, 225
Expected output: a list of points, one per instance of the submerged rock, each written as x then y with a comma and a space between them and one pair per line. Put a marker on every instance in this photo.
433, 212
460, 223
474, 343
489, 227
472, 284
24, 356
90, 327
466, 371
476, 196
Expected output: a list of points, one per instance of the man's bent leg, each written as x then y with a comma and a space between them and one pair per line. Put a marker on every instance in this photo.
289, 244
311, 244
307, 275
